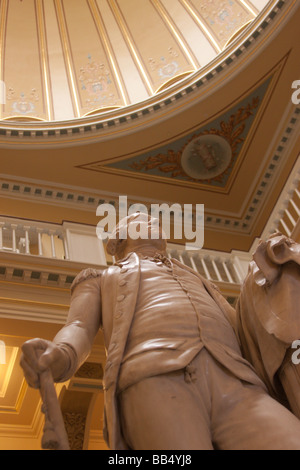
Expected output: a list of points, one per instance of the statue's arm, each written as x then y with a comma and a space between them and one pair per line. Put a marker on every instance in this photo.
83, 322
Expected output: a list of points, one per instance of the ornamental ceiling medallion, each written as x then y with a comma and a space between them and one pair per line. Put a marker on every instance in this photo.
206, 157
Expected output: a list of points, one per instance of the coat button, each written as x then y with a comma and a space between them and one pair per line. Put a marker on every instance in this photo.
122, 283
118, 314
120, 297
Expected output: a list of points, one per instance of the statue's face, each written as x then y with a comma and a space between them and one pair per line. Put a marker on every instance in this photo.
139, 231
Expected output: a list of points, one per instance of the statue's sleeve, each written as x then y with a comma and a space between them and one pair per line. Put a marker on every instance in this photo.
268, 313
83, 321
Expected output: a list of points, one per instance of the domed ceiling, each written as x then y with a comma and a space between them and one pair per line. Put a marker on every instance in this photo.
65, 59
165, 101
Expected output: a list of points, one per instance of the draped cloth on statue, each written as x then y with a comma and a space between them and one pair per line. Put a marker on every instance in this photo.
268, 315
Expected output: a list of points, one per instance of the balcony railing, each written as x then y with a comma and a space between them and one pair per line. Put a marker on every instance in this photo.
212, 265
33, 238
73, 242
79, 243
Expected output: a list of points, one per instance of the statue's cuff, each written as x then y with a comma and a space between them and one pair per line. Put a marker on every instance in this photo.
70, 360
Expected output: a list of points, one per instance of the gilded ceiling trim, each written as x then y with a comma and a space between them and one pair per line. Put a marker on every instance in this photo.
192, 11
39, 5
168, 21
122, 25
101, 110
96, 75
104, 37
156, 69
217, 12
250, 8
67, 55
237, 33
20, 118
173, 80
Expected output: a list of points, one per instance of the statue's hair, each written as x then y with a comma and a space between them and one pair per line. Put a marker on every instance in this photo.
114, 241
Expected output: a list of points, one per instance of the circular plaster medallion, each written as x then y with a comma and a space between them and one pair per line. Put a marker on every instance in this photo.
206, 157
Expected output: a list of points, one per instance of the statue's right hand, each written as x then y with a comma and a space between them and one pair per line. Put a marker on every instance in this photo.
38, 355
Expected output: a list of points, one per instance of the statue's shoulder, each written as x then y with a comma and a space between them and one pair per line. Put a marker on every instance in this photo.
84, 275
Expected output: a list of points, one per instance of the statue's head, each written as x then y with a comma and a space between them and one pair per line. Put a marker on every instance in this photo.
135, 233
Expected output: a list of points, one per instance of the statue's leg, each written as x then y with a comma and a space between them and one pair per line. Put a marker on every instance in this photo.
166, 412
245, 417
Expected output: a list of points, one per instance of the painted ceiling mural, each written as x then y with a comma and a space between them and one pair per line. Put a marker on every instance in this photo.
64, 59
206, 156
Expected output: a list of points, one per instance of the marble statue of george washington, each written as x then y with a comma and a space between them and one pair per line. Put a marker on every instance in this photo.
184, 370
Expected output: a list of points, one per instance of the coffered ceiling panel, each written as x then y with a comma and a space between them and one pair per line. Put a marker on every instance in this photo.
160, 51
96, 76
22, 61
221, 19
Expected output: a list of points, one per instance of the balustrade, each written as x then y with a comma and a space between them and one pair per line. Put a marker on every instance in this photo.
17, 236
214, 266
79, 243
290, 214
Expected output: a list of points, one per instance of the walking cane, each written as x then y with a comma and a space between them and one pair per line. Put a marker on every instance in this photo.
54, 433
